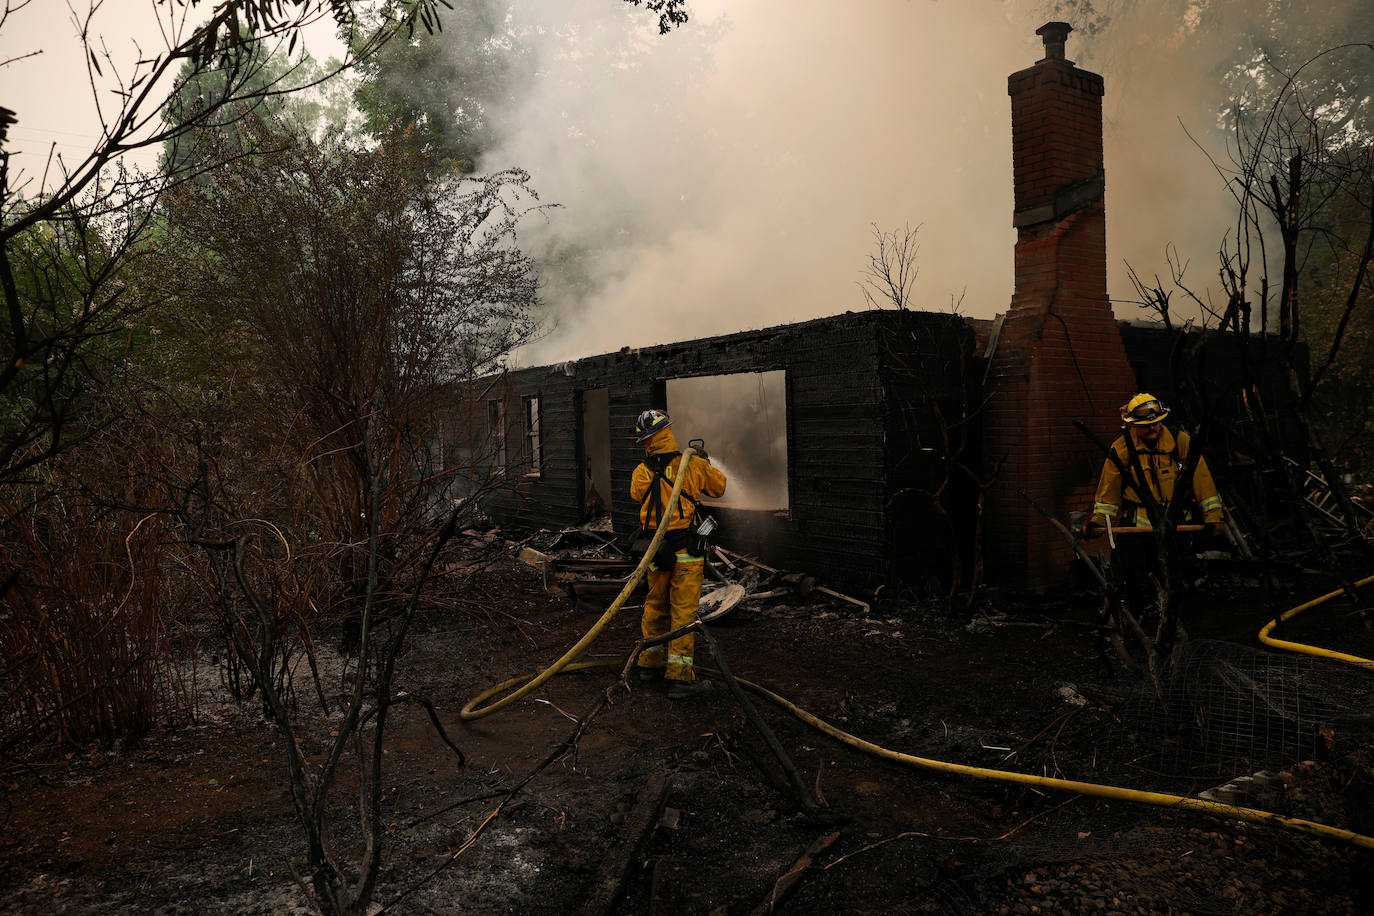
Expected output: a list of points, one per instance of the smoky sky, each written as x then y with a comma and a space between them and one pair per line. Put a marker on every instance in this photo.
728, 176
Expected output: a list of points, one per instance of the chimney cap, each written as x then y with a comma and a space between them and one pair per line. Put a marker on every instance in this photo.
1054, 34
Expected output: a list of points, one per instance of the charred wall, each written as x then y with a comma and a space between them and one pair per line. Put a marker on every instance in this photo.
868, 396
1206, 376
885, 436
933, 411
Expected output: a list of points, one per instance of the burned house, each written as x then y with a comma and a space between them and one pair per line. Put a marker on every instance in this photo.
831, 431
881, 446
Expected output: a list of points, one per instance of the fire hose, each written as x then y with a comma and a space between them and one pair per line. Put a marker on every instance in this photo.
1268, 640
475, 710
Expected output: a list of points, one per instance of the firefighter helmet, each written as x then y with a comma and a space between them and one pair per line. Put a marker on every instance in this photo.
650, 422
1143, 410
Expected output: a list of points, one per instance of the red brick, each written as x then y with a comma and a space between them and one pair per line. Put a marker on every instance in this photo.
1037, 373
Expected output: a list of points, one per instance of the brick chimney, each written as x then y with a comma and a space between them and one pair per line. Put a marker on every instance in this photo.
1059, 355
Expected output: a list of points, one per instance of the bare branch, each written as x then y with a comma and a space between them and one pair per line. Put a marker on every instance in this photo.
892, 269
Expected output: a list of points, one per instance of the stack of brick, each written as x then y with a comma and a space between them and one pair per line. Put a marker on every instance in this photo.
1059, 355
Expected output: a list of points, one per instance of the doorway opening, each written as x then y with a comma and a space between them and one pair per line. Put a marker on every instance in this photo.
596, 452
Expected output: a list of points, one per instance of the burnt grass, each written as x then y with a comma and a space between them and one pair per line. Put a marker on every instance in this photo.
679, 807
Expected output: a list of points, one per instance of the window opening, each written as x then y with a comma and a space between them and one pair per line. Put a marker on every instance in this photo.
743, 418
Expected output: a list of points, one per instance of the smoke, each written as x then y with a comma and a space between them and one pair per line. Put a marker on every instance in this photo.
728, 175
743, 421
1174, 71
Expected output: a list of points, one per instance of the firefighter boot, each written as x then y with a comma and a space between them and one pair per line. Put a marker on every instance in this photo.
686, 690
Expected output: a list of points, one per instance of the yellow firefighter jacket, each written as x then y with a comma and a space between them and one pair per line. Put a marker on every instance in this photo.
702, 479
1161, 467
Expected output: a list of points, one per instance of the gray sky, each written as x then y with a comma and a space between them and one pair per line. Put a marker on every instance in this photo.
727, 176
54, 92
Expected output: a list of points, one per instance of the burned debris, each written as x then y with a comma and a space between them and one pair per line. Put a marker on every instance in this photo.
592, 568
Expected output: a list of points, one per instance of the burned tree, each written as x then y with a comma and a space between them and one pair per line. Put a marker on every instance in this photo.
1297, 267
368, 297
74, 237
1294, 273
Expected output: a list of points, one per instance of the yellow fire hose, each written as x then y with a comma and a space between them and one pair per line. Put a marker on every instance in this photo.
1179, 802
1264, 634
1269, 640
474, 710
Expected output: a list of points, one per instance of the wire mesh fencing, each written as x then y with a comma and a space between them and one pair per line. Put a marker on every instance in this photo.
1225, 710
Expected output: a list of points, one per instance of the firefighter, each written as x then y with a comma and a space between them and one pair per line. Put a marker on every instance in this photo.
676, 573
1147, 450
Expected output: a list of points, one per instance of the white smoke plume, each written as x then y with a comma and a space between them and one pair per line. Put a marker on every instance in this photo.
728, 175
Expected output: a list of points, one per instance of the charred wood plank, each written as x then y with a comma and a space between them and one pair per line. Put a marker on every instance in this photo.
610, 879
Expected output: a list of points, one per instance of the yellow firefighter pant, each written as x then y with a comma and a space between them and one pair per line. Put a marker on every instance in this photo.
672, 603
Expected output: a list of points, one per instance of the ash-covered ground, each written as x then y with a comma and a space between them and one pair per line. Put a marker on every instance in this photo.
679, 807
